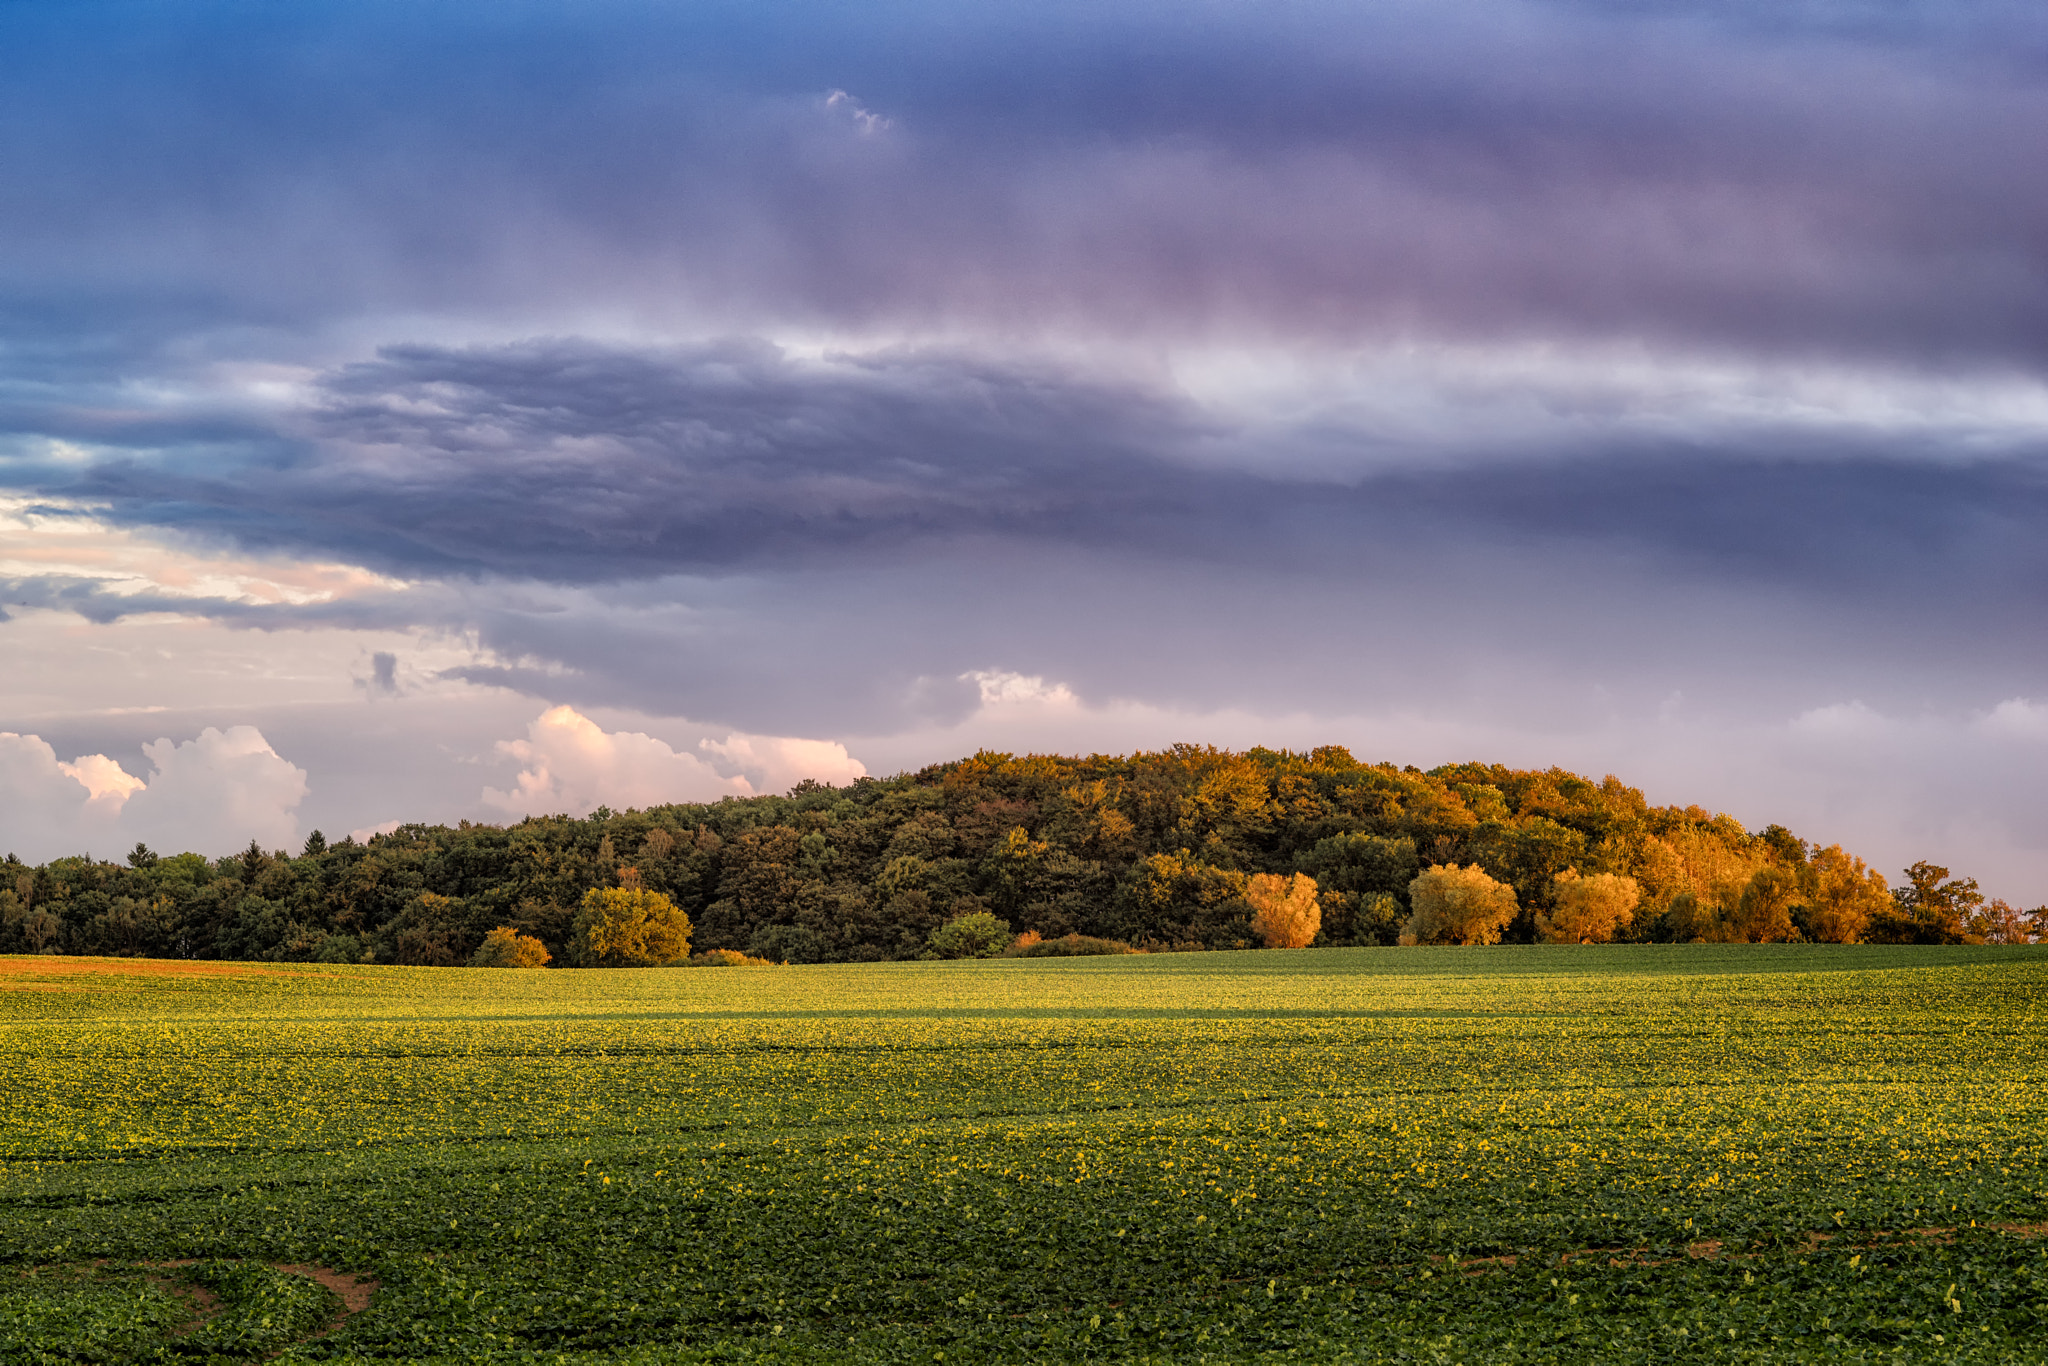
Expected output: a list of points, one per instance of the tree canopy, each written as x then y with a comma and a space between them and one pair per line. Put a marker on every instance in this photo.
1158, 849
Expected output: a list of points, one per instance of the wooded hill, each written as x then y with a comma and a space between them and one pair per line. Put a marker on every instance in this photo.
1153, 849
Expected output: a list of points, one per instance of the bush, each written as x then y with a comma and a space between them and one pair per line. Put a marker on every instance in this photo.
788, 944
623, 927
1587, 910
341, 948
1454, 905
506, 947
976, 935
1285, 912
728, 958
1072, 946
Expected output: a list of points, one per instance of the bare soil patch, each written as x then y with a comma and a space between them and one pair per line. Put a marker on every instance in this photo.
356, 1292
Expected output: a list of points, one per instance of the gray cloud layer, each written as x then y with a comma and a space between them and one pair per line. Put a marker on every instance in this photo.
1842, 178
573, 463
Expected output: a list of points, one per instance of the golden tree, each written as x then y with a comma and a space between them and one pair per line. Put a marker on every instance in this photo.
1846, 895
1763, 914
506, 947
1587, 910
1285, 912
1453, 905
628, 927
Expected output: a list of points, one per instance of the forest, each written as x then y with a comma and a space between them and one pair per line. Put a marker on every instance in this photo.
1155, 850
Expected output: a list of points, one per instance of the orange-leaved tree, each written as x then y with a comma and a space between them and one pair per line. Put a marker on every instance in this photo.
1285, 912
506, 947
1587, 909
1453, 905
625, 927
1846, 896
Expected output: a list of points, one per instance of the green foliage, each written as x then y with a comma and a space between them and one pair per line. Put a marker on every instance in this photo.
113, 1312
1180, 900
1069, 946
976, 935
1929, 908
628, 927
788, 944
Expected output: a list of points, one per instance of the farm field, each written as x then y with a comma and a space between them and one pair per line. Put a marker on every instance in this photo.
1726, 1153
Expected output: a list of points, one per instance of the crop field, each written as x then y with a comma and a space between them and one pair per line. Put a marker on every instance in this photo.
1731, 1153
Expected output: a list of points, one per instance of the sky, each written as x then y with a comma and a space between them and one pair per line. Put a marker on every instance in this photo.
421, 413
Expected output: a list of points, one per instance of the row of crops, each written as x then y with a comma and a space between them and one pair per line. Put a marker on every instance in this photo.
1521, 1154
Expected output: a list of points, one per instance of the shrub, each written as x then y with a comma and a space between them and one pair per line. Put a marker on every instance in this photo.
1587, 910
621, 927
506, 947
1285, 912
341, 948
978, 935
1453, 905
728, 958
1071, 946
788, 944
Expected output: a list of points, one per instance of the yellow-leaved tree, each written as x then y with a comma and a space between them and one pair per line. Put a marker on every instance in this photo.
1453, 905
1846, 895
1587, 910
628, 927
506, 947
1285, 912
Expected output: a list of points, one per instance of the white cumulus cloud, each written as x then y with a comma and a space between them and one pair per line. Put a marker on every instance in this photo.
215, 792
209, 794
776, 763
43, 806
570, 763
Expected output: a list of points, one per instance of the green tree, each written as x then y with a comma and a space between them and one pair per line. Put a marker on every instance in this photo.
979, 935
1930, 908
619, 927
1178, 899
1362, 879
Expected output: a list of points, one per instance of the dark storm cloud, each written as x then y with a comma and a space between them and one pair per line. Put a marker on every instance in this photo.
1843, 178
568, 463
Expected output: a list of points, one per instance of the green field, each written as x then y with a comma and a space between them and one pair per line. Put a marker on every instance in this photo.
1457, 1155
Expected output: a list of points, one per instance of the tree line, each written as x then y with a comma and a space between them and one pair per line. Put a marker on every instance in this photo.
1162, 850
